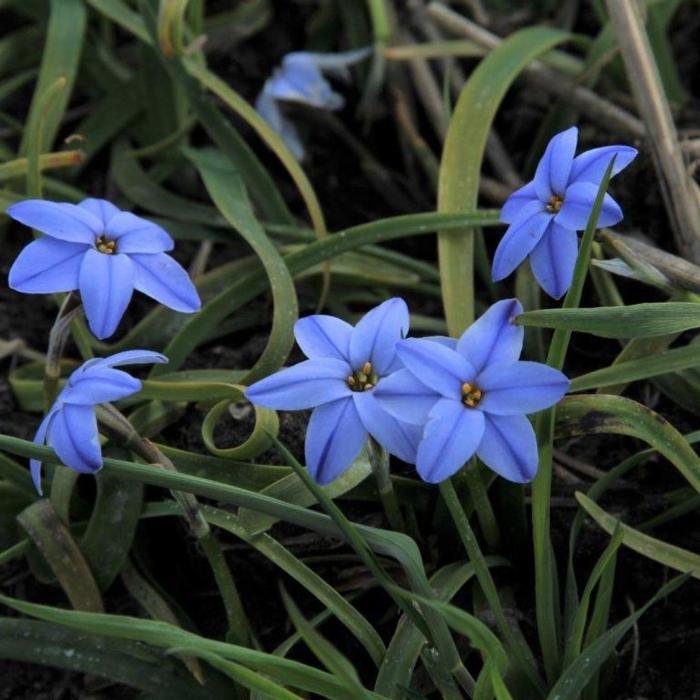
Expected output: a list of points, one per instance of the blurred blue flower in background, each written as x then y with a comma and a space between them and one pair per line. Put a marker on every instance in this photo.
301, 79
70, 426
472, 395
346, 365
545, 214
104, 252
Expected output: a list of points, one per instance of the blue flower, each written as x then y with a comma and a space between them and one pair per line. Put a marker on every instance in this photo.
300, 79
70, 426
104, 252
339, 381
472, 395
545, 214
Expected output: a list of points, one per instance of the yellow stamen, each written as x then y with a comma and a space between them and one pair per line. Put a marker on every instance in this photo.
554, 204
363, 379
105, 246
471, 395
367, 368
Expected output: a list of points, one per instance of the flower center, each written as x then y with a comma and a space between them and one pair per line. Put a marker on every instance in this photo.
471, 395
554, 204
364, 379
105, 246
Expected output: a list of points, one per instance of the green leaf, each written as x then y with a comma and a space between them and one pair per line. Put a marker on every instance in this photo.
227, 190
661, 552
586, 415
59, 59
578, 674
55, 542
460, 169
642, 368
634, 321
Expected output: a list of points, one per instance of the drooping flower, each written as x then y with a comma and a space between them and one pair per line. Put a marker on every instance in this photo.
70, 426
104, 252
545, 214
473, 395
339, 382
301, 79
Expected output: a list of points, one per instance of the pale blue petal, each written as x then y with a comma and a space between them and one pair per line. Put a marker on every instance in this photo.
520, 238
591, 165
134, 357
308, 384
578, 205
40, 439
269, 110
515, 203
552, 174
443, 340
162, 278
323, 336
73, 436
396, 437
331, 62
136, 235
407, 399
493, 337
375, 336
520, 387
100, 208
450, 438
334, 438
47, 266
554, 258
436, 366
67, 222
106, 286
509, 447
98, 385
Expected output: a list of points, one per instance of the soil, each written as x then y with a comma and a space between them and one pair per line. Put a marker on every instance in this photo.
657, 662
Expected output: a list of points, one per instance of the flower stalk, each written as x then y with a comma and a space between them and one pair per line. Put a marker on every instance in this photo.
379, 461
58, 336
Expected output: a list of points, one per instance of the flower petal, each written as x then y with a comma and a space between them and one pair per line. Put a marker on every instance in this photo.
100, 208
334, 438
494, 337
375, 336
554, 258
98, 385
520, 238
40, 439
308, 384
73, 436
136, 235
134, 357
520, 387
323, 336
67, 222
509, 447
450, 438
405, 398
47, 266
162, 278
395, 436
515, 203
106, 285
267, 107
436, 366
591, 165
552, 174
578, 205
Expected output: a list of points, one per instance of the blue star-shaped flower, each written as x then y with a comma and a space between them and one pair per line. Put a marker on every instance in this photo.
339, 381
545, 214
472, 395
300, 79
104, 252
70, 426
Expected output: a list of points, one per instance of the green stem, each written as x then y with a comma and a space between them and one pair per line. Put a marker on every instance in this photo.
379, 461
482, 505
522, 656
546, 581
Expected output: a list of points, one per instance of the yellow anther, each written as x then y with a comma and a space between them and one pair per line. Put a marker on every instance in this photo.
471, 395
105, 246
363, 379
351, 380
554, 204
367, 368
368, 386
